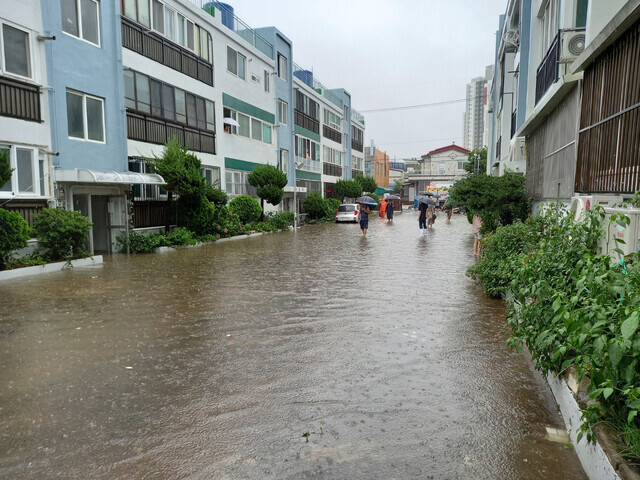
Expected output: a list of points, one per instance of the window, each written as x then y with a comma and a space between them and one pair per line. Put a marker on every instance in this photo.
266, 133
80, 19
331, 155
244, 128
237, 183
282, 112
211, 175
267, 81
282, 67
85, 116
256, 129
228, 118
15, 51
169, 23
236, 63
284, 160
28, 172
331, 119
461, 165
441, 169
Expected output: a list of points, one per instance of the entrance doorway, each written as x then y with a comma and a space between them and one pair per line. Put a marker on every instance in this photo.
100, 219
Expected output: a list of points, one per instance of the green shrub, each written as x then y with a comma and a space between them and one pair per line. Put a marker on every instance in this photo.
140, 243
502, 254
227, 223
332, 205
199, 218
246, 208
315, 206
14, 233
263, 227
27, 261
180, 237
282, 220
61, 233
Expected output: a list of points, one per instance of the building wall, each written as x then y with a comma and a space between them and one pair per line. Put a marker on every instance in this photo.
81, 66
32, 135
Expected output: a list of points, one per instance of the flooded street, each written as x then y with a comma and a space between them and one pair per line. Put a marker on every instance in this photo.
311, 355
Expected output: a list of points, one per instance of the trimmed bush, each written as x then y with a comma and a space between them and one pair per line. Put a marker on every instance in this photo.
61, 233
314, 206
282, 220
246, 208
14, 233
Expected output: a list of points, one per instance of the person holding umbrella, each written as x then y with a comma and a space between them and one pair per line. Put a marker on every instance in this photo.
364, 213
422, 218
390, 200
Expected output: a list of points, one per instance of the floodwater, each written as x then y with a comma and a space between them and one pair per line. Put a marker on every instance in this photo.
317, 354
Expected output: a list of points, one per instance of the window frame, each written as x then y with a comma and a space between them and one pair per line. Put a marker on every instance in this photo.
85, 124
80, 35
209, 169
267, 82
238, 56
37, 176
282, 66
29, 52
283, 112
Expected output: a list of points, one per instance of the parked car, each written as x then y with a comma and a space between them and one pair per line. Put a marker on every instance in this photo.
348, 212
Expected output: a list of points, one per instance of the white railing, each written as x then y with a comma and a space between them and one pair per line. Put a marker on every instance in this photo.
309, 165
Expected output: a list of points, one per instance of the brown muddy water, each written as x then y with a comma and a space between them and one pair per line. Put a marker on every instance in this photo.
284, 356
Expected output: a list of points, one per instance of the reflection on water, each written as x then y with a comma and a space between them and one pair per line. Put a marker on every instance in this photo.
222, 361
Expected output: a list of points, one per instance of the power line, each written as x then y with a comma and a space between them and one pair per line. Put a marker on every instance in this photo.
422, 105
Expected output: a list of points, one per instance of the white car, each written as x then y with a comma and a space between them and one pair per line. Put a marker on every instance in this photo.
348, 212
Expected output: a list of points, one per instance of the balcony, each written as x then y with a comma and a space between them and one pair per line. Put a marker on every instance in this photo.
309, 165
358, 146
139, 39
548, 70
156, 130
331, 134
306, 76
357, 116
305, 121
19, 100
332, 169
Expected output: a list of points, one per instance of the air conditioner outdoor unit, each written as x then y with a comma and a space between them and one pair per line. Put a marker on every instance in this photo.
630, 234
572, 45
579, 205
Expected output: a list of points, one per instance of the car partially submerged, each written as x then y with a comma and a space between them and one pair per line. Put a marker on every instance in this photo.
348, 212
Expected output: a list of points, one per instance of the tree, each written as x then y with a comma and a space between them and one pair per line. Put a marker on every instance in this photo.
477, 163
348, 189
498, 200
14, 233
398, 187
269, 182
368, 183
181, 171
5, 167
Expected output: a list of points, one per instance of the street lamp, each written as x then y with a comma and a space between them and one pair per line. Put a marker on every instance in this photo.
296, 165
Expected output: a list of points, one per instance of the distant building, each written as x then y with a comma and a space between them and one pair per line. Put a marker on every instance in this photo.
475, 112
377, 165
440, 168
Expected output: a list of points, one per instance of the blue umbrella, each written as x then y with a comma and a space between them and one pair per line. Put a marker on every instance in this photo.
366, 200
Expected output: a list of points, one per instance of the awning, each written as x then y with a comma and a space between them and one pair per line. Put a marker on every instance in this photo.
85, 175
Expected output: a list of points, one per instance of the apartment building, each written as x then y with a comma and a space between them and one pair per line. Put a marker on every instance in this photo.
377, 166
123, 78
558, 92
25, 121
474, 114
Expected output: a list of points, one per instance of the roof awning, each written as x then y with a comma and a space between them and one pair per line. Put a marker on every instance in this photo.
85, 175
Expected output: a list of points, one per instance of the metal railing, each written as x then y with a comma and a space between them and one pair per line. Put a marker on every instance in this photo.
19, 100
309, 165
139, 39
310, 80
547, 73
238, 26
357, 116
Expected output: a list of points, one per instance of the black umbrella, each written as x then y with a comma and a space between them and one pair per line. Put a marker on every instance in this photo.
366, 200
393, 197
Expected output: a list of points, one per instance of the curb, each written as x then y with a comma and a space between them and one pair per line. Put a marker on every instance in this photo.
50, 267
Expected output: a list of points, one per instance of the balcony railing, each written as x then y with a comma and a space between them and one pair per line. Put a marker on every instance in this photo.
357, 116
137, 38
307, 77
358, 146
332, 169
355, 172
331, 134
548, 70
155, 130
19, 100
309, 165
514, 116
305, 121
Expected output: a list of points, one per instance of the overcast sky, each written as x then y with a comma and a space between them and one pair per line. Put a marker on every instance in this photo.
390, 54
